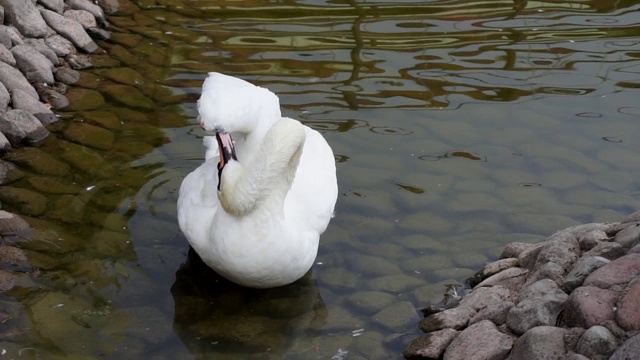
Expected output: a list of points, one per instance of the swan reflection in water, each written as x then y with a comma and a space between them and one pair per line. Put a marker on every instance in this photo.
215, 317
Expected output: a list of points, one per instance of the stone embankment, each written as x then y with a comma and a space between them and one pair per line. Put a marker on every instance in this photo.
42, 44
574, 296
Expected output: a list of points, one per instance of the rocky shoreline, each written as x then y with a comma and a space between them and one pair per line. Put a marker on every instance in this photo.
574, 296
42, 45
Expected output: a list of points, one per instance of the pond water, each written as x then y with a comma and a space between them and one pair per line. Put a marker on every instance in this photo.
458, 127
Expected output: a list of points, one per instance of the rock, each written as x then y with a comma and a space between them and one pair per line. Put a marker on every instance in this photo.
89, 135
628, 237
629, 350
98, 34
11, 35
129, 96
11, 224
628, 314
40, 46
109, 6
66, 75
607, 250
539, 304
540, 343
492, 269
480, 298
481, 341
512, 279
549, 270
38, 161
90, 7
23, 101
53, 99
33, 129
5, 144
25, 17
582, 269
562, 249
597, 340
14, 79
7, 280
5, 98
53, 5
398, 316
527, 258
514, 249
6, 55
34, 66
12, 131
456, 318
84, 99
25, 201
61, 46
15, 258
615, 274
589, 306
496, 313
70, 29
83, 17
431, 345
371, 302
633, 217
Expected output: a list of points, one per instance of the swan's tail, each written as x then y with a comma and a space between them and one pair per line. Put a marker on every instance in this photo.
211, 146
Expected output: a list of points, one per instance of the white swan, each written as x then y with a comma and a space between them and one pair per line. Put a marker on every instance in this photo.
256, 218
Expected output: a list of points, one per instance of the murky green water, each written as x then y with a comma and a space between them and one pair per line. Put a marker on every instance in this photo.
458, 127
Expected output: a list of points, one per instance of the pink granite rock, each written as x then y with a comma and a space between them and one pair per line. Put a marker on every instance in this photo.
588, 306
431, 345
628, 314
481, 341
616, 274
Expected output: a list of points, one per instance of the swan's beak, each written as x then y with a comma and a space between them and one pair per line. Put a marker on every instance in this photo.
226, 149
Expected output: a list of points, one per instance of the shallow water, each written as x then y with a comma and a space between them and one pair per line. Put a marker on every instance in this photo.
458, 127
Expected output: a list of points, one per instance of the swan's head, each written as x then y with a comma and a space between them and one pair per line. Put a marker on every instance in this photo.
232, 105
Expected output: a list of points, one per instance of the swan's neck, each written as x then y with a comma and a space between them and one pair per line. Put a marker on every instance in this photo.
264, 180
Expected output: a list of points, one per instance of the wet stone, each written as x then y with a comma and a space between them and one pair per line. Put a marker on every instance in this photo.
395, 283
512, 279
103, 119
7, 280
9, 173
86, 160
371, 302
399, 316
338, 278
83, 99
456, 318
33, 129
66, 75
125, 76
422, 243
494, 268
13, 258
24, 201
11, 224
13, 133
128, 96
89, 135
68, 209
38, 161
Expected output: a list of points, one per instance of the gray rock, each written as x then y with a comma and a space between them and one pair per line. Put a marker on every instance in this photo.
635, 216
109, 6
635, 249
431, 345
616, 274
61, 46
32, 127
493, 268
13, 79
540, 343
582, 269
40, 46
607, 250
5, 144
511, 278
90, 7
597, 340
56, 100
10, 224
629, 350
456, 318
53, 5
588, 306
23, 101
66, 75
25, 17
482, 297
11, 131
6, 55
5, 98
591, 238
10, 36
628, 237
562, 248
71, 30
514, 249
538, 305
85, 18
496, 313
398, 316
34, 65
98, 34
479, 341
